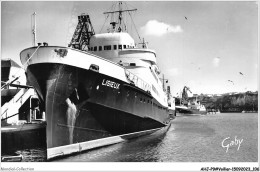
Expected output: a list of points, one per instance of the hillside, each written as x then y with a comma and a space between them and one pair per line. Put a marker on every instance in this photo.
231, 102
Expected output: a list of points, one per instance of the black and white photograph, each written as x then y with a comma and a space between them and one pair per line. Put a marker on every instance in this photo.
129, 85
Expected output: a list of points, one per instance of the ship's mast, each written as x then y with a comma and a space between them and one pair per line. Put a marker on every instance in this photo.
163, 83
34, 28
120, 17
144, 44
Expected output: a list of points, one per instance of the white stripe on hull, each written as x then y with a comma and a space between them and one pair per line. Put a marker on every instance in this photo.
78, 147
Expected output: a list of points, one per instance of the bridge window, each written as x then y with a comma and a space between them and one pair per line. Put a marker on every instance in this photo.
100, 48
132, 64
107, 47
120, 47
124, 46
95, 48
115, 47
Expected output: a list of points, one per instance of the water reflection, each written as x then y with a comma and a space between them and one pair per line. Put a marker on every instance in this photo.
143, 149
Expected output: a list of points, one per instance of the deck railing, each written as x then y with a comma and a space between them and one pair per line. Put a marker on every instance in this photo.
137, 81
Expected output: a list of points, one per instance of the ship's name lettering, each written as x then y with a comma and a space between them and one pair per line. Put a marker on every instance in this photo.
110, 84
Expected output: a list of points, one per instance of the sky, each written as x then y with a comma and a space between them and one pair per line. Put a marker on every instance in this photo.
210, 47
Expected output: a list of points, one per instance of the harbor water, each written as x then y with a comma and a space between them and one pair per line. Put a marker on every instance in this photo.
224, 137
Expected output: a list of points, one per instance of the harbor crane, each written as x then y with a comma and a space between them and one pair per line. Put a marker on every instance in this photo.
185, 94
82, 34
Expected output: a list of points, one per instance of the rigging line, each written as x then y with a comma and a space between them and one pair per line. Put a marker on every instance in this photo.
129, 5
112, 15
125, 21
133, 22
104, 24
123, 24
113, 6
135, 27
31, 55
9, 81
126, 25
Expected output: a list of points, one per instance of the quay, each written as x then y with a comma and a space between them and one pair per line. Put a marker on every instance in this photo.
24, 136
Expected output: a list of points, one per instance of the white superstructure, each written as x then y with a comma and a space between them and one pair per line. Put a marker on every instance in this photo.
120, 48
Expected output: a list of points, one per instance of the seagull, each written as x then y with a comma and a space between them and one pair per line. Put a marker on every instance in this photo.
186, 18
241, 73
231, 81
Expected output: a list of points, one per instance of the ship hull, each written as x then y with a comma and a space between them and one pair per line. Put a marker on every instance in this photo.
87, 109
230, 111
190, 112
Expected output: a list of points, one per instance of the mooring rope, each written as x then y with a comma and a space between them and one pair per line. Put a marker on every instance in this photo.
16, 77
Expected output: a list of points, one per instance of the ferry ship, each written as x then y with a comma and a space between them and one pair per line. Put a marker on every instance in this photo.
100, 90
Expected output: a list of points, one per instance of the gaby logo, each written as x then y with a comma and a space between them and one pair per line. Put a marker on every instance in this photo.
227, 143
111, 84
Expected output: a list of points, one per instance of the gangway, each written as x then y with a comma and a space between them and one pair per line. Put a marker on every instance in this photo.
10, 110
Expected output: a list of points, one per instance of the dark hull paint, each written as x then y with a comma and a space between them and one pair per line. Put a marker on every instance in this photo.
230, 111
190, 112
80, 107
